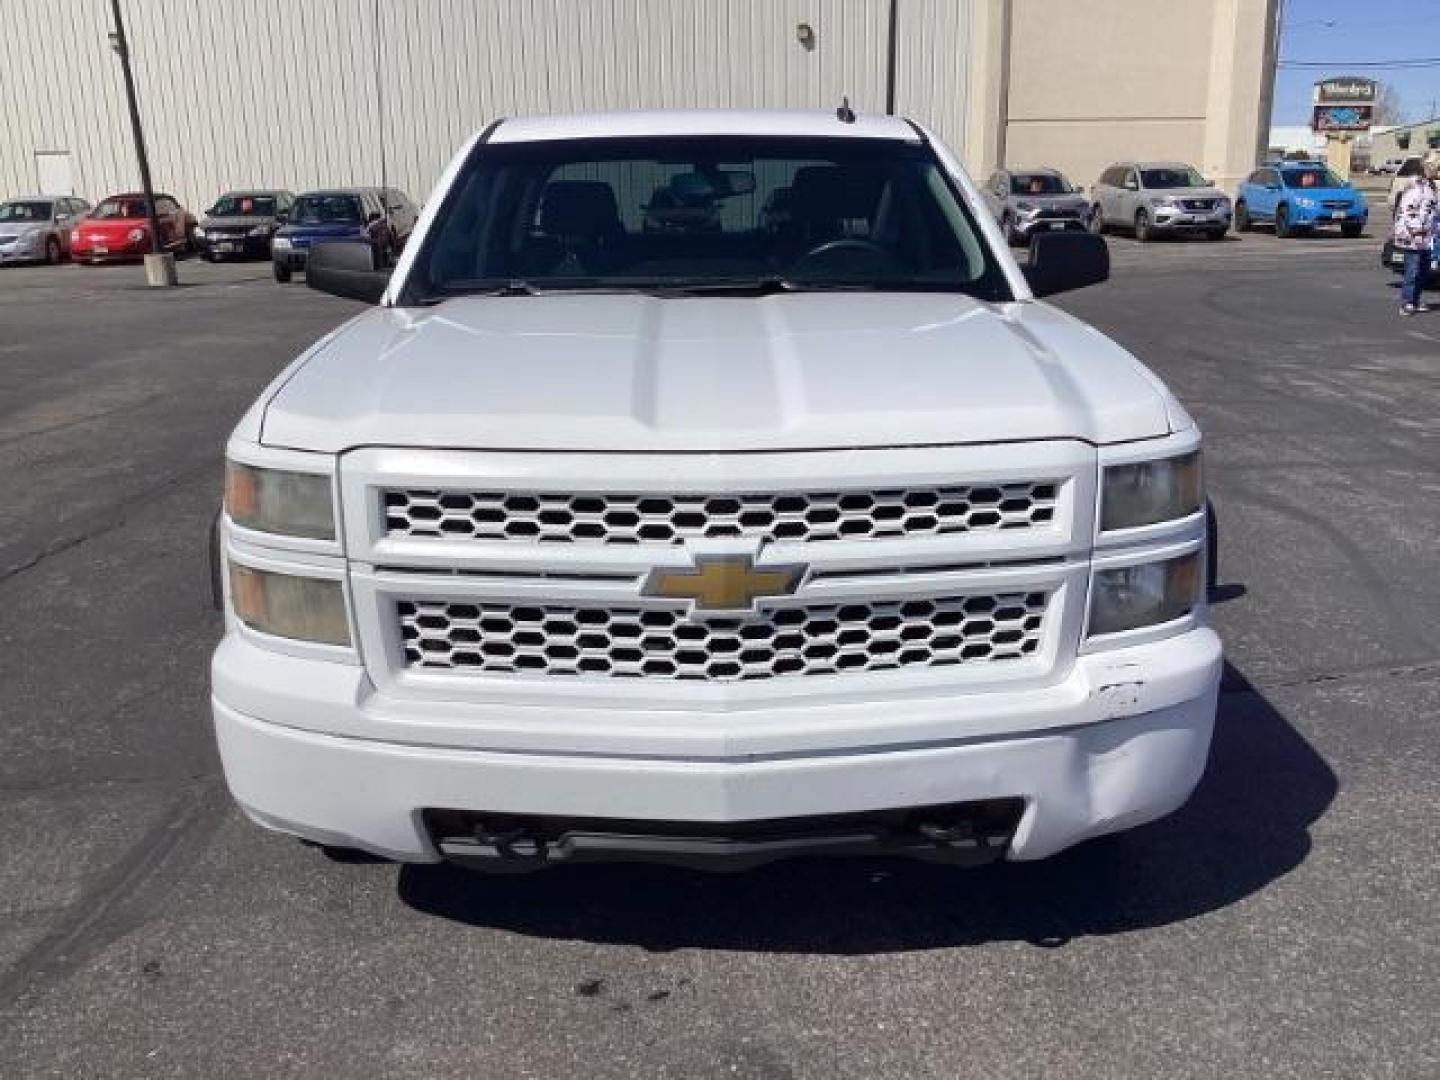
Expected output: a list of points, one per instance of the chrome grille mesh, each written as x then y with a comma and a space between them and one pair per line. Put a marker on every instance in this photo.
511, 639
672, 519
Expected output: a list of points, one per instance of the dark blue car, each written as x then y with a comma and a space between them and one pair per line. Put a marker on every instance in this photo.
380, 217
1297, 197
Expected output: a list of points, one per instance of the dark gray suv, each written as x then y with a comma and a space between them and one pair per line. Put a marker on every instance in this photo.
1027, 201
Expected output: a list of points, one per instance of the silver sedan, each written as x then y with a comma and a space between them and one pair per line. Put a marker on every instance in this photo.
36, 228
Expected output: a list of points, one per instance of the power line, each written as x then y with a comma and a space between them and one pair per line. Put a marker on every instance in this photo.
1409, 64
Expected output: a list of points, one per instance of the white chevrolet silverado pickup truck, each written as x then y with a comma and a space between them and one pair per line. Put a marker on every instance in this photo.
707, 488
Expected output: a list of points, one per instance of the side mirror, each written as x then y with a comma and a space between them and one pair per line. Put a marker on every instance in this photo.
1062, 261
372, 217
345, 268
281, 217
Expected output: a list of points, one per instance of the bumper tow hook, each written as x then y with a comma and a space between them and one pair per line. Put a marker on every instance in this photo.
515, 845
960, 834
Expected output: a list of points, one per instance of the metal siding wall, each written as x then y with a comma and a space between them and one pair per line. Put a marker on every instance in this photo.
283, 92
932, 86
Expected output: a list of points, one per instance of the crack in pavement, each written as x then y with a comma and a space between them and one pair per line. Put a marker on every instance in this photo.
124, 898
110, 519
133, 406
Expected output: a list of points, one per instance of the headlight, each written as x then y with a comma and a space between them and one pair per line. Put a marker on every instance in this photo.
273, 501
199, 232
260, 230
1145, 595
1025, 207
310, 609
1151, 491
1304, 200
1164, 200
281, 242
136, 235
75, 236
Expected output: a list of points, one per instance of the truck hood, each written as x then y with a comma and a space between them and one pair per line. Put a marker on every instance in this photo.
629, 372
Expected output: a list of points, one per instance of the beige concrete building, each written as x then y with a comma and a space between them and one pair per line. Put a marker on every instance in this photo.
1386, 144
302, 93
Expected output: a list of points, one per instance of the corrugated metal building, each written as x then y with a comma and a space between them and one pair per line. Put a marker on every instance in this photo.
304, 93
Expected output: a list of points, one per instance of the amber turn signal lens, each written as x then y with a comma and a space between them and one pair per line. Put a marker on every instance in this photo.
290, 606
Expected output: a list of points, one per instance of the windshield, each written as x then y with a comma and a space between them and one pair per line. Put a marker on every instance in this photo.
1039, 184
25, 211
1171, 176
125, 207
704, 215
325, 210
1311, 178
244, 206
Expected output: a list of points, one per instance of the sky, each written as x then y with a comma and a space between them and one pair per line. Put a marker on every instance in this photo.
1361, 30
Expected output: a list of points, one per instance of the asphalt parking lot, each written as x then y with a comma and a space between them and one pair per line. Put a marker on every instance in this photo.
1282, 924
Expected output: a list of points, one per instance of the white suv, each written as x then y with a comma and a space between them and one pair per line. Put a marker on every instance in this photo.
710, 487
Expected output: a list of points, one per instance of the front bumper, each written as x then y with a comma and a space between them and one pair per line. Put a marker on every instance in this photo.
234, 247
22, 253
1309, 218
121, 250
1121, 740
1178, 219
1028, 227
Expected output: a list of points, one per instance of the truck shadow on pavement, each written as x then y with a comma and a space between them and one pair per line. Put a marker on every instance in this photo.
1247, 825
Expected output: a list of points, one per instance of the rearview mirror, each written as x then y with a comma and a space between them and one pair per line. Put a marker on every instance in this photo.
345, 268
1062, 261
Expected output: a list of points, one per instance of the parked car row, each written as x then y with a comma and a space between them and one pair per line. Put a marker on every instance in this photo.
1145, 198
256, 224
1157, 198
1148, 199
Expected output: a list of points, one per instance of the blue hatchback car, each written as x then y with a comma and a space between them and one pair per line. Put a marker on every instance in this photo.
1297, 197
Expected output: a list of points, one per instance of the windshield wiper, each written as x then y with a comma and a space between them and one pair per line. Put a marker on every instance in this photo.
769, 285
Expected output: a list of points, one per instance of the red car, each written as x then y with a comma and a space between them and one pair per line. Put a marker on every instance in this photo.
118, 228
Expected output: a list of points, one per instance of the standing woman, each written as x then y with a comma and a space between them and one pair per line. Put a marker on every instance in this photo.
1415, 225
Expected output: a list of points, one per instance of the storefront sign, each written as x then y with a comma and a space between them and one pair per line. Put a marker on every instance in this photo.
1342, 118
1346, 90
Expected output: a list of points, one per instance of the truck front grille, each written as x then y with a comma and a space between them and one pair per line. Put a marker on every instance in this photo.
630, 642
564, 518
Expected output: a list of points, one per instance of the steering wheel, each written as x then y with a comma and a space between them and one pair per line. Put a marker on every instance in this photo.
879, 254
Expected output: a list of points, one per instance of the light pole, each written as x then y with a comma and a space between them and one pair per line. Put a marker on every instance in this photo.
891, 44
159, 270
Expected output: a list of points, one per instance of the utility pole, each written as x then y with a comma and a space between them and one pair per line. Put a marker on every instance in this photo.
890, 48
121, 45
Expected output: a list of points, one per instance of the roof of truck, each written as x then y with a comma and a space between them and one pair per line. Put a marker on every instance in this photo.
680, 122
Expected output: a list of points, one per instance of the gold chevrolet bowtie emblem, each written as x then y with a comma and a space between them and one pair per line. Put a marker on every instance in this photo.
723, 582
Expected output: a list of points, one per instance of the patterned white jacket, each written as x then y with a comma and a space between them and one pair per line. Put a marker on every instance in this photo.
1417, 215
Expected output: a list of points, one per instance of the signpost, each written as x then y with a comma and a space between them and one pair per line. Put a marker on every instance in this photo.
159, 266
1344, 105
